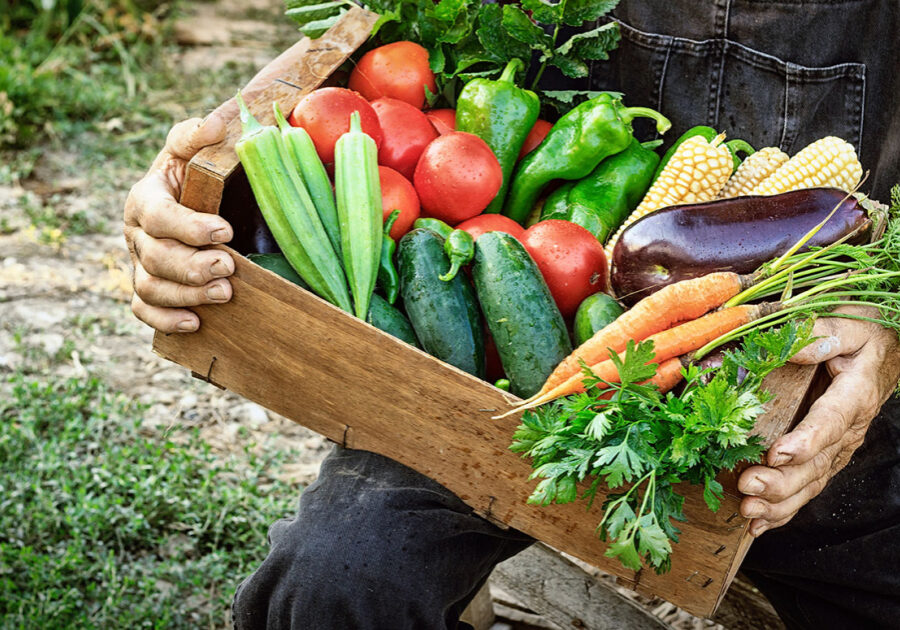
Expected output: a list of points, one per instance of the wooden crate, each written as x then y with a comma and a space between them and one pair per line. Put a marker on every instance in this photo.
301, 357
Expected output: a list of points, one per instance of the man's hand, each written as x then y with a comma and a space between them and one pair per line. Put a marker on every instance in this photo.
171, 272
864, 360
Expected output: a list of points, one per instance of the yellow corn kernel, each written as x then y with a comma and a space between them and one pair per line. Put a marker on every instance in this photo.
827, 162
752, 171
696, 173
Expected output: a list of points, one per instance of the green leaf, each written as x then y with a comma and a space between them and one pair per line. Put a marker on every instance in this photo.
519, 26
626, 553
580, 11
636, 366
712, 493
494, 38
619, 463
546, 12
599, 425
570, 66
594, 44
621, 518
652, 540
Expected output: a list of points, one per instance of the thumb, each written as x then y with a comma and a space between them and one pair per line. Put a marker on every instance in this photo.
188, 137
837, 336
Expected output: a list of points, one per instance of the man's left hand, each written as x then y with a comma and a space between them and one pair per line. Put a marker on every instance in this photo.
864, 360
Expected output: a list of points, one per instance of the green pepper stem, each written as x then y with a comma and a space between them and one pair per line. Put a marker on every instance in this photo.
627, 114
389, 222
509, 72
451, 273
249, 124
739, 146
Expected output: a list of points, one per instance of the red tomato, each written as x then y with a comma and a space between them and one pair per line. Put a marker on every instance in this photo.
535, 137
457, 177
406, 134
397, 193
570, 259
476, 226
325, 114
444, 120
399, 70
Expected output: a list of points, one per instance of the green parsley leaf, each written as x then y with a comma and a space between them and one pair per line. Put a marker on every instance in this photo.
580, 11
520, 26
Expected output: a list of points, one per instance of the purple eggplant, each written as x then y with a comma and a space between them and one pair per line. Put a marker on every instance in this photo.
738, 234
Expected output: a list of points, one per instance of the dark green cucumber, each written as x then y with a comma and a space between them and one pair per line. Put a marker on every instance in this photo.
444, 315
596, 312
524, 321
277, 263
385, 317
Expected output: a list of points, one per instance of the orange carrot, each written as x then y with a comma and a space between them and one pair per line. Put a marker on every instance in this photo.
667, 344
676, 303
667, 376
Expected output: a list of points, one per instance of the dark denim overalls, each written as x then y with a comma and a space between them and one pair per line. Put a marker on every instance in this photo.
377, 546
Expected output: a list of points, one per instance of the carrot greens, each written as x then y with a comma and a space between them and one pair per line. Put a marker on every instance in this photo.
641, 443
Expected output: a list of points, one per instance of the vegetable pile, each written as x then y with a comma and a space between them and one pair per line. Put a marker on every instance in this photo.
504, 230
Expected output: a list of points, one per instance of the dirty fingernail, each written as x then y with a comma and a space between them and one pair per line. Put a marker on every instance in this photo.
781, 459
218, 269
187, 325
216, 292
195, 278
757, 530
219, 236
754, 487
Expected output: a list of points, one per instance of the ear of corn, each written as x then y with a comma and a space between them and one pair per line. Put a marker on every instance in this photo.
830, 161
696, 173
752, 171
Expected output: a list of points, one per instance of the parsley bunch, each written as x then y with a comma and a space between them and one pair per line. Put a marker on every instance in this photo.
645, 442
467, 39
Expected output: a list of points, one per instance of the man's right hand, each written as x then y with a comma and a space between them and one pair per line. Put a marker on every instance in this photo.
171, 272
164, 237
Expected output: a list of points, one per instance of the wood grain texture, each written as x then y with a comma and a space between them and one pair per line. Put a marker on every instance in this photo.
208, 171
299, 356
567, 595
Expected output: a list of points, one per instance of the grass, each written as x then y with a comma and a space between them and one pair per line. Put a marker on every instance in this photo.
102, 526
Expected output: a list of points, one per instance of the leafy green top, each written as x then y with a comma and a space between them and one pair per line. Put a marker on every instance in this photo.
467, 39
653, 441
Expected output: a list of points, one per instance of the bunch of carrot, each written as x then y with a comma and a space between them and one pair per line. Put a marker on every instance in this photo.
677, 319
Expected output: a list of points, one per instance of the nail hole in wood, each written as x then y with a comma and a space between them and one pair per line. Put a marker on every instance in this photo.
719, 550
707, 582
731, 518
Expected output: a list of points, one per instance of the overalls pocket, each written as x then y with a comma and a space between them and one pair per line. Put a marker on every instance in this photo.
739, 90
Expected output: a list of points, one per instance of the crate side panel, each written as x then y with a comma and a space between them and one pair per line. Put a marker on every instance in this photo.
301, 357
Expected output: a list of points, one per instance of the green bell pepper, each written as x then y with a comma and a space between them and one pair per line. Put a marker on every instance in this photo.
388, 279
602, 201
501, 114
435, 225
575, 145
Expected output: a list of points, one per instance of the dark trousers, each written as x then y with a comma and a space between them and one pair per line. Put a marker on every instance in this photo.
376, 545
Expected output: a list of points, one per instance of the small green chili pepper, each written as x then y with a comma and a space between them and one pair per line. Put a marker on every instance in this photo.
460, 248
502, 383
602, 201
734, 147
500, 113
435, 225
387, 273
575, 145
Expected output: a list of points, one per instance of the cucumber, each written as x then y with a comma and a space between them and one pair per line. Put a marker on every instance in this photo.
385, 317
444, 315
277, 263
595, 313
524, 321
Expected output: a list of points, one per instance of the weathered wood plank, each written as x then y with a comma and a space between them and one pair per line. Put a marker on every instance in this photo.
568, 596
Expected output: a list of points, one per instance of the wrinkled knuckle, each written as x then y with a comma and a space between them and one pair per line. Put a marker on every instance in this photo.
821, 464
